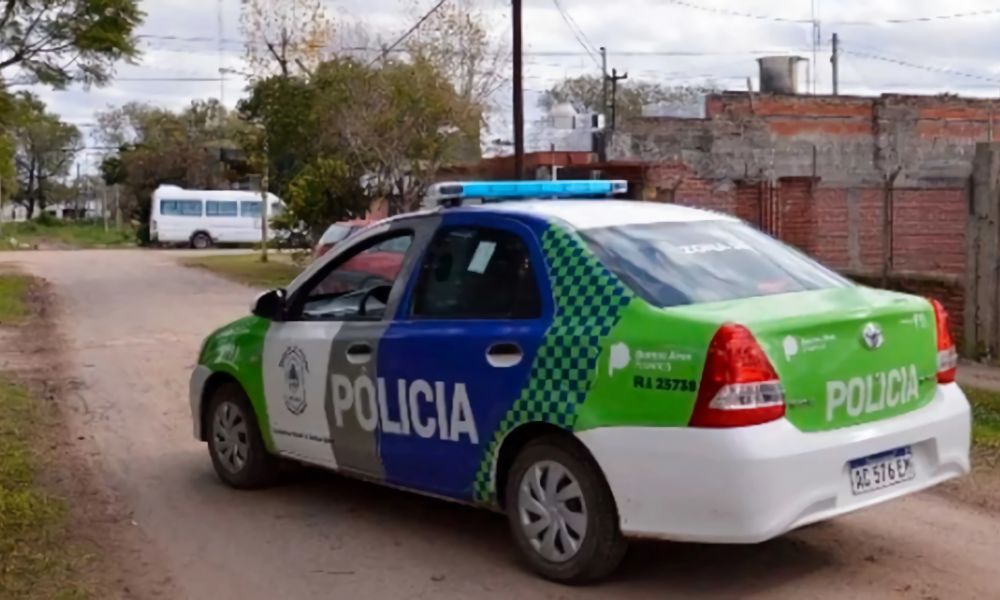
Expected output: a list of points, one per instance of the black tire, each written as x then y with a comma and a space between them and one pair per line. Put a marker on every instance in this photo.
602, 547
259, 468
201, 241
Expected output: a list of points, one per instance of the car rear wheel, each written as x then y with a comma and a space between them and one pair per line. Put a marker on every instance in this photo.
562, 514
237, 449
201, 241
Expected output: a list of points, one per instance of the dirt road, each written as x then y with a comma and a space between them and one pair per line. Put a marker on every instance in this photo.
133, 321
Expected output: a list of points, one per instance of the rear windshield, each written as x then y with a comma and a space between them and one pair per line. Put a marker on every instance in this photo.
674, 264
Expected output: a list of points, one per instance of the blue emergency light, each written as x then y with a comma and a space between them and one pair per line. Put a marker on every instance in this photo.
499, 191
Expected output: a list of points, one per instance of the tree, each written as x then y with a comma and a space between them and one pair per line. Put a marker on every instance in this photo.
44, 151
158, 146
284, 37
467, 48
401, 121
58, 42
585, 93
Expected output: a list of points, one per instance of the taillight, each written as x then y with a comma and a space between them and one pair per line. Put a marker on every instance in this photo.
739, 386
947, 355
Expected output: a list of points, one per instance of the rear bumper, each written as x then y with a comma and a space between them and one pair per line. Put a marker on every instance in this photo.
753, 484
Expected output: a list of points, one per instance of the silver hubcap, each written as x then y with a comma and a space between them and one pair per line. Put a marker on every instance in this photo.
229, 429
552, 512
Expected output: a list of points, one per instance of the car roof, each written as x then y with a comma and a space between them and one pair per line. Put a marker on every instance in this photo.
593, 214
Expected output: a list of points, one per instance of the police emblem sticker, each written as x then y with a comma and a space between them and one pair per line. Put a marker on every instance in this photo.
295, 367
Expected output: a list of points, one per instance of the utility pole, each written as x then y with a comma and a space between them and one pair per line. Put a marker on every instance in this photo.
222, 57
835, 60
615, 78
263, 204
118, 211
604, 81
515, 8
76, 201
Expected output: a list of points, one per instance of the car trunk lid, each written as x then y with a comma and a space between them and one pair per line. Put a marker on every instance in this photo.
845, 356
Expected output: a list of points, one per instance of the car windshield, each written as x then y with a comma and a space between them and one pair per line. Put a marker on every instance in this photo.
335, 233
675, 264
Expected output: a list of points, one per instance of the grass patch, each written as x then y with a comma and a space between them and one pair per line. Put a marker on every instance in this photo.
13, 293
63, 234
985, 419
35, 560
247, 268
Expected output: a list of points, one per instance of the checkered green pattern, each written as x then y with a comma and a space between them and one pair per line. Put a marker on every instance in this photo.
588, 300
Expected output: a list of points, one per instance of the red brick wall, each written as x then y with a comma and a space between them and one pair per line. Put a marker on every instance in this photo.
798, 216
929, 231
748, 202
678, 184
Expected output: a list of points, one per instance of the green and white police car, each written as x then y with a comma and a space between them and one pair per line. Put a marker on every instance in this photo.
596, 369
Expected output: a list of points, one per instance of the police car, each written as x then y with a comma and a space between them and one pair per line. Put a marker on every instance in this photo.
596, 369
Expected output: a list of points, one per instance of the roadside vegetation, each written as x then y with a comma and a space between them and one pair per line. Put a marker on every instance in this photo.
247, 268
52, 233
13, 291
36, 560
986, 420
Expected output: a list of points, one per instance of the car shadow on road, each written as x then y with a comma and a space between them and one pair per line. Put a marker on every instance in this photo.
482, 537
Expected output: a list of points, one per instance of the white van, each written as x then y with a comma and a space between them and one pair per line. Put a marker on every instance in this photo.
202, 218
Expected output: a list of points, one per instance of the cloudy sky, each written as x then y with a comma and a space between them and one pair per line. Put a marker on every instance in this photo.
920, 46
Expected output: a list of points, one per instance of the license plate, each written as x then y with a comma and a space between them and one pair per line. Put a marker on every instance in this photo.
882, 470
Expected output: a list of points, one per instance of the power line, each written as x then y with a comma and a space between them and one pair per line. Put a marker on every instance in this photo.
803, 21
578, 33
736, 13
926, 19
410, 31
931, 69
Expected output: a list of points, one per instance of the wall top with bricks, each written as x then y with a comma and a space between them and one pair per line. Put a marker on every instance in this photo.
841, 140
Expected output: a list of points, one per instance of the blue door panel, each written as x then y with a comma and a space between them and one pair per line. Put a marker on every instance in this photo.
450, 353
449, 356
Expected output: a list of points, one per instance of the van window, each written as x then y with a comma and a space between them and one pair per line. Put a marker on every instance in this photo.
180, 208
250, 209
218, 208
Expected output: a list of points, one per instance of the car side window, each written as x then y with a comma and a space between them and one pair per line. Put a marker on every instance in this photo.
477, 273
358, 287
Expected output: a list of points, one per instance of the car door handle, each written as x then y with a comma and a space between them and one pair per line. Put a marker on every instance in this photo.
359, 354
504, 355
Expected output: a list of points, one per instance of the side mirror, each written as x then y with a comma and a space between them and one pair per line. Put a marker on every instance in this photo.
269, 305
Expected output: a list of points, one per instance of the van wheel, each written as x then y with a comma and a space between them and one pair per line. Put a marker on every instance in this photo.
234, 442
562, 514
201, 241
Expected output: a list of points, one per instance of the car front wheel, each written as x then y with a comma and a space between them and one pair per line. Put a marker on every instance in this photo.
238, 453
562, 514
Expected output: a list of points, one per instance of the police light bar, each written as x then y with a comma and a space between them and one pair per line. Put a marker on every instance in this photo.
498, 191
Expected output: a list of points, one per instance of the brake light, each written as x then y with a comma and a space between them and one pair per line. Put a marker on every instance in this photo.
947, 354
739, 386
